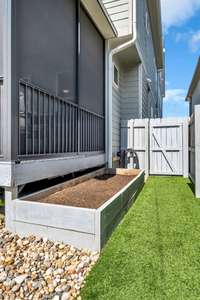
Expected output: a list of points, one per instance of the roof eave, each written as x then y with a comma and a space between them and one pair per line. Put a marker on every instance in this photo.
195, 79
156, 23
100, 17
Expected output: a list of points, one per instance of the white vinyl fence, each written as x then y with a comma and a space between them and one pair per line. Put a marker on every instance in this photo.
160, 145
135, 135
194, 149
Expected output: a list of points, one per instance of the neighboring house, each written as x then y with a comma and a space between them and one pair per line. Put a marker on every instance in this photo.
193, 95
138, 63
70, 71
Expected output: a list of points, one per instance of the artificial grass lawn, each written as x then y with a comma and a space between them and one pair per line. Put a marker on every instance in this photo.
155, 252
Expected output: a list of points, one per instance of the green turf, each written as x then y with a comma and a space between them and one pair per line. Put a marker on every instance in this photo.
155, 252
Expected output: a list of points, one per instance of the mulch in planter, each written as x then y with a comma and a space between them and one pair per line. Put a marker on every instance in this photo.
92, 193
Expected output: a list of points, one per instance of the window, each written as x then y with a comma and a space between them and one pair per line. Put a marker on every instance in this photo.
116, 76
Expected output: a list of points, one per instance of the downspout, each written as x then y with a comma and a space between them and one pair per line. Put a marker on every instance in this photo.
112, 52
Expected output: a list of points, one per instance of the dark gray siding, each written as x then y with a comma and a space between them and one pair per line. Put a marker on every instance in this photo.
1, 37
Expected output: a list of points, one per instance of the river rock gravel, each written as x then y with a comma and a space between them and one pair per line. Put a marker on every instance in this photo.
34, 268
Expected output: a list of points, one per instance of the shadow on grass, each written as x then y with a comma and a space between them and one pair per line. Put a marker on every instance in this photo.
2, 210
159, 238
192, 187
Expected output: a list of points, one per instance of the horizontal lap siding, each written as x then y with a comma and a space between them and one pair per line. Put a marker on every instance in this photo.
147, 51
145, 104
125, 102
119, 11
196, 96
116, 120
130, 94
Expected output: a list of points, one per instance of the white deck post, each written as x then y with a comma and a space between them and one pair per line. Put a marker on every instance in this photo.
11, 193
197, 149
186, 148
147, 158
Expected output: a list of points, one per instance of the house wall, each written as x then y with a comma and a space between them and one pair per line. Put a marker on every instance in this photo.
120, 12
146, 48
116, 109
1, 37
130, 103
195, 98
45, 53
145, 96
125, 100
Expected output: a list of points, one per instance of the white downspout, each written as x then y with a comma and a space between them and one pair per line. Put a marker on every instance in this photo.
110, 77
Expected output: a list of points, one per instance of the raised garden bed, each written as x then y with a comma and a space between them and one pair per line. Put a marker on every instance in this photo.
82, 212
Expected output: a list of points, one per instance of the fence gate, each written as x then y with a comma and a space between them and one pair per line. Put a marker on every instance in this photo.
160, 145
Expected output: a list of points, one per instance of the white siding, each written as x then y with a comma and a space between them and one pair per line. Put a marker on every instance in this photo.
130, 93
116, 111
1, 37
125, 101
120, 14
196, 97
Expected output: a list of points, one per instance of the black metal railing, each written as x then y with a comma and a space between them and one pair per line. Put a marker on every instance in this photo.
52, 125
1, 97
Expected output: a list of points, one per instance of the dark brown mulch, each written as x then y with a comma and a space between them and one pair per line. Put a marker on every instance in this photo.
89, 194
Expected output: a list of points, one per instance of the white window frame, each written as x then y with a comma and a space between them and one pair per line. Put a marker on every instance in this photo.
116, 85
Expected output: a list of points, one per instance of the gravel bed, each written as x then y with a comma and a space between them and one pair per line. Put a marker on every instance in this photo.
33, 268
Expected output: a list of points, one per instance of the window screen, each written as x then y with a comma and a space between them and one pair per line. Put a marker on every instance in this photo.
91, 66
46, 44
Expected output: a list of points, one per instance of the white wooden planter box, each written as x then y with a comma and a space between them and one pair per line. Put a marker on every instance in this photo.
81, 227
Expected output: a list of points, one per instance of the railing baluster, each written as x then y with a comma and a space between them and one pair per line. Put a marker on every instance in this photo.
39, 122
70, 129
88, 138
81, 130
33, 121
49, 110
91, 133
44, 120
63, 127
66, 124
58, 126
54, 125
66, 127
26, 119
